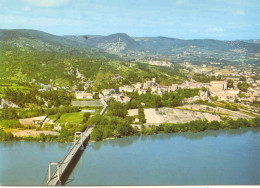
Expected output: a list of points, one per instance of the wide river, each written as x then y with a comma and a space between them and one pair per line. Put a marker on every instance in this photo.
206, 158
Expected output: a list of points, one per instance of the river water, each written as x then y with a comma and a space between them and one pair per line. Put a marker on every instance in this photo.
223, 157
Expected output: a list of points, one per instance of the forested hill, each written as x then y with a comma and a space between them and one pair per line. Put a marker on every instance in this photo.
35, 56
38, 40
41, 41
122, 44
27, 55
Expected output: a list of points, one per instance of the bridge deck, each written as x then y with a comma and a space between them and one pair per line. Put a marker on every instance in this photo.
68, 158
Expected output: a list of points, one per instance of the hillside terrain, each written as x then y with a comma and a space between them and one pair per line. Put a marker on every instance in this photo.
35, 56
30, 55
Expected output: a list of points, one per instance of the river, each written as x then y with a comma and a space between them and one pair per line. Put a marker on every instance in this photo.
223, 157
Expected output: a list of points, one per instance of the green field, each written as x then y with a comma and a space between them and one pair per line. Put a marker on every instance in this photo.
75, 117
53, 117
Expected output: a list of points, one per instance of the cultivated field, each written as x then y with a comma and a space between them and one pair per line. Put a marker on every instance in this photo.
87, 103
32, 132
30, 121
172, 115
75, 117
232, 114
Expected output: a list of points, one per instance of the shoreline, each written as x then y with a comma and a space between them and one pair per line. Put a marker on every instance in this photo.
113, 138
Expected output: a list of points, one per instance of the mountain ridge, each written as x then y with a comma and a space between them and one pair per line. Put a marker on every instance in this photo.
163, 44
202, 51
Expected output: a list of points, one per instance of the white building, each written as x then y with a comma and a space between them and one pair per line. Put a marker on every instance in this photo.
138, 86
107, 92
83, 95
126, 88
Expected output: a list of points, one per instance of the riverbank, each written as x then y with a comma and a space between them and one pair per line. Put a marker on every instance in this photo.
102, 132
193, 126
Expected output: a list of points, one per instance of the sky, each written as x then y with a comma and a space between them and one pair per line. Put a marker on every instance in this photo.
184, 19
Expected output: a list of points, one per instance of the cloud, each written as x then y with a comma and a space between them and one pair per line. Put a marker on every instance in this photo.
47, 3
238, 12
215, 30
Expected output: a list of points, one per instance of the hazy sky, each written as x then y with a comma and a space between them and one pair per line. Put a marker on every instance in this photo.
186, 19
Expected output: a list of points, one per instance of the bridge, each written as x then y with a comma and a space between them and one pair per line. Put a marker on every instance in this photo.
66, 166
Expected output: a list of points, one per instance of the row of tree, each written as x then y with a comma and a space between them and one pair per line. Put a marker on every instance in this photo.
170, 99
202, 125
205, 78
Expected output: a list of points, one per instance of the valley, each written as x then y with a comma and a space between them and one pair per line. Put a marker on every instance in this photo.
63, 78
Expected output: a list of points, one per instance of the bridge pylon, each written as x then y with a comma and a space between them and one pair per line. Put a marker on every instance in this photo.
81, 138
58, 170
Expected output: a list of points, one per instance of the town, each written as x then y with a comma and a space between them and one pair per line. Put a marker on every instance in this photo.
214, 96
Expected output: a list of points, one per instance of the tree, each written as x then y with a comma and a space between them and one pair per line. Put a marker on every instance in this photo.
214, 125
117, 109
9, 136
204, 89
141, 114
9, 113
242, 86
81, 87
86, 116
230, 83
42, 137
243, 78
97, 134
116, 133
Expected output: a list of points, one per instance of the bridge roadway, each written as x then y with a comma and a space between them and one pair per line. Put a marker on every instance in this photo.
56, 178
60, 176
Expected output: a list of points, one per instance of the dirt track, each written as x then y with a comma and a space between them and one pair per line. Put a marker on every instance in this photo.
32, 132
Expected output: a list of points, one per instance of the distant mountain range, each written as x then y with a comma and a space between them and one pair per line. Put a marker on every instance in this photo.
27, 55
42, 41
124, 45
120, 44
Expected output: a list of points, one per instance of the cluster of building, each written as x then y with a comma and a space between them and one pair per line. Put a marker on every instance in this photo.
142, 88
111, 94
50, 87
160, 63
214, 88
220, 89
83, 95
157, 89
